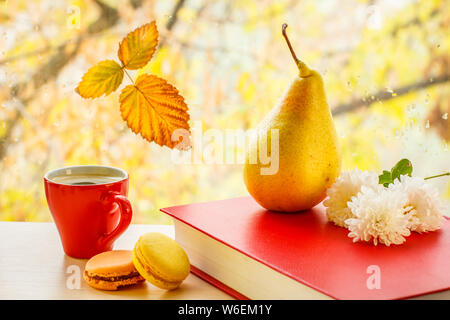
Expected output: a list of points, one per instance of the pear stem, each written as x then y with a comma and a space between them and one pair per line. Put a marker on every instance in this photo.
304, 70
283, 31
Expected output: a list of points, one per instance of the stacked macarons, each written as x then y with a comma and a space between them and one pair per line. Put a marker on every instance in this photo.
156, 258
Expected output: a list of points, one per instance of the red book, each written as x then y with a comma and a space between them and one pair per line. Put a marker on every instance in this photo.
253, 253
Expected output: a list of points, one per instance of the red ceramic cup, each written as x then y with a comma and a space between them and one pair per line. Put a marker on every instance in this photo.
89, 217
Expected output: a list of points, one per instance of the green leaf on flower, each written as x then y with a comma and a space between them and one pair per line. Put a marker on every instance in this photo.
385, 179
403, 167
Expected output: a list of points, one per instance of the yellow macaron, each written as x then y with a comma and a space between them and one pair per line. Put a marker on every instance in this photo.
161, 260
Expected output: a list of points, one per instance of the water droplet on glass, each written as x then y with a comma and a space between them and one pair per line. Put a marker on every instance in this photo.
445, 116
438, 46
391, 91
411, 110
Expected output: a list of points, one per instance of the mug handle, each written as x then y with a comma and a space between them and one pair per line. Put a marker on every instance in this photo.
126, 213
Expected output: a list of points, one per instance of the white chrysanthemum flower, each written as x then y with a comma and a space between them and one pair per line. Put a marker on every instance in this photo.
381, 216
347, 185
426, 207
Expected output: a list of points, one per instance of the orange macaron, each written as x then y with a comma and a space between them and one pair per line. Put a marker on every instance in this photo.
111, 270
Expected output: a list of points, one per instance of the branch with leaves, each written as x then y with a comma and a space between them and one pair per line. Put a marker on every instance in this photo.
150, 105
26, 91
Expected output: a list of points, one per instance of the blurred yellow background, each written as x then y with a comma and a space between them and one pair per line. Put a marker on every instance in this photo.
386, 67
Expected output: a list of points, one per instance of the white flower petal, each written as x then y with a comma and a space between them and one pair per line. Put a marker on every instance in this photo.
380, 216
347, 185
426, 206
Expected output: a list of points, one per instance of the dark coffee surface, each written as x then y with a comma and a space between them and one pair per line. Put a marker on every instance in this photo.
83, 180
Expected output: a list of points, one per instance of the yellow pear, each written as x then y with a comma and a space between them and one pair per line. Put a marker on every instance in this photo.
294, 157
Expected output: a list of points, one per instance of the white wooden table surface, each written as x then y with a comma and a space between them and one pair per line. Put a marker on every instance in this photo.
33, 266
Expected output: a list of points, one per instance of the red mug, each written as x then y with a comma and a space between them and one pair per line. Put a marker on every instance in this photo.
89, 217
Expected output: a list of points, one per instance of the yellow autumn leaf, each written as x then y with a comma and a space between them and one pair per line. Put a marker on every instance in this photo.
155, 109
103, 78
137, 48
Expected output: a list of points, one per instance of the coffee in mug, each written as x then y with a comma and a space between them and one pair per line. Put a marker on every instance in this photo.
89, 206
84, 179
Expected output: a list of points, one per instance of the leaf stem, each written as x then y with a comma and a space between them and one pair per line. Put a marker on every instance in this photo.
129, 77
438, 175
